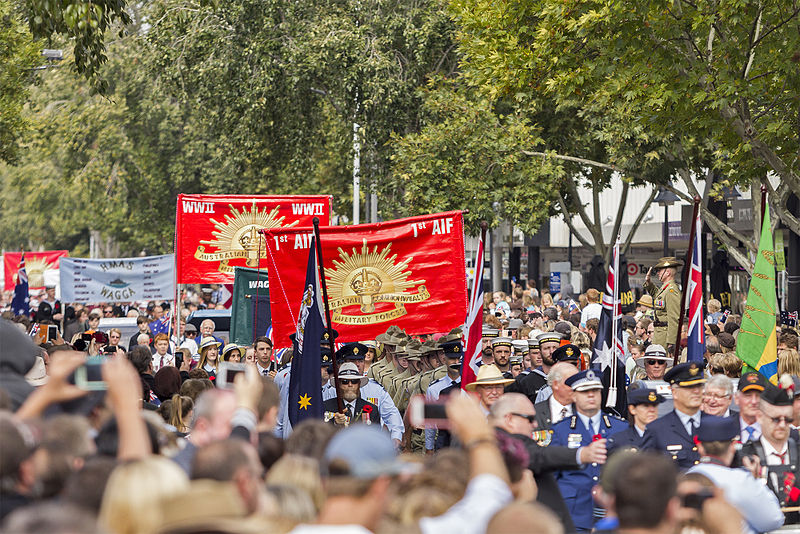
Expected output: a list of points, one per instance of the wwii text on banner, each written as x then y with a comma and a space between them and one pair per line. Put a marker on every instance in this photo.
37, 264
250, 305
216, 233
117, 279
407, 272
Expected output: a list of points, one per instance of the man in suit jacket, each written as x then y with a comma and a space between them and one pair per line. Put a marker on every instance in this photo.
643, 409
513, 414
356, 409
674, 433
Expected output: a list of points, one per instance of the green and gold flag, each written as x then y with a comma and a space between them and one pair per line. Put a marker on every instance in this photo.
757, 343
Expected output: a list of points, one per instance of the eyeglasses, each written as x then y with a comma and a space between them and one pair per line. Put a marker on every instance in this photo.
531, 418
715, 396
108, 312
655, 362
781, 419
344, 381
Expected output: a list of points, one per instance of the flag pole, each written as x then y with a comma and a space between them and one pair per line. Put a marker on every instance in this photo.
687, 267
611, 399
328, 328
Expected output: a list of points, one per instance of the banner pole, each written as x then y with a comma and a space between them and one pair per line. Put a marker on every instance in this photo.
328, 327
686, 268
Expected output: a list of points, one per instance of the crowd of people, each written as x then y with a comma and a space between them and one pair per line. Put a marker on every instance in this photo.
142, 435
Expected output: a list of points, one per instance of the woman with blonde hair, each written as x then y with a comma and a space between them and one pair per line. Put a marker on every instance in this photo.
133, 493
789, 362
209, 356
301, 472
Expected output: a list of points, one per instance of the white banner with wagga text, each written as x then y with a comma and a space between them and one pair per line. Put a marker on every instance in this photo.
118, 279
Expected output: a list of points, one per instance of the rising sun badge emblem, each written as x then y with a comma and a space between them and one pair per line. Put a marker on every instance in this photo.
240, 237
368, 279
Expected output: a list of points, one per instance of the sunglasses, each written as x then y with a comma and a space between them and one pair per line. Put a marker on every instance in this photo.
531, 418
655, 362
191, 333
781, 419
344, 381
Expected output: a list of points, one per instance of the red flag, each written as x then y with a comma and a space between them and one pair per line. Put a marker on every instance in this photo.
474, 323
36, 265
215, 233
408, 272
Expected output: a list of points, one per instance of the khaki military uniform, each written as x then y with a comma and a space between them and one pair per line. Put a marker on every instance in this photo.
666, 310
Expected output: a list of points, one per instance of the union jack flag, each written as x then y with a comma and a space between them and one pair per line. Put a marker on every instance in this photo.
696, 346
474, 324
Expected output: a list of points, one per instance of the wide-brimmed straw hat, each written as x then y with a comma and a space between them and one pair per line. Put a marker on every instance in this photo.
489, 375
209, 342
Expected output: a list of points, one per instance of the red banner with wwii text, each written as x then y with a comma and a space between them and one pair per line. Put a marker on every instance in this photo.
216, 233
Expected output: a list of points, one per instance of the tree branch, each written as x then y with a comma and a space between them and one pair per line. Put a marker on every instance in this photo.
573, 159
568, 220
638, 221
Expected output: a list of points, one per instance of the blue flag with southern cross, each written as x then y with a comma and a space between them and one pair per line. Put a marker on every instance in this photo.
305, 384
21, 303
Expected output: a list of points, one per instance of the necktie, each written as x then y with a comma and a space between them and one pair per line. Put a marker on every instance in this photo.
692, 427
563, 413
162, 363
751, 431
781, 455
349, 412
265, 372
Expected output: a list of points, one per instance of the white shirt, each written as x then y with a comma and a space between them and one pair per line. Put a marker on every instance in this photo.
591, 423
756, 502
168, 359
591, 311
330, 529
772, 454
687, 419
485, 496
555, 410
745, 435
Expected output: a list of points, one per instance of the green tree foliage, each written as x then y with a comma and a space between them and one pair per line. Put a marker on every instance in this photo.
467, 155
280, 84
710, 85
84, 23
18, 55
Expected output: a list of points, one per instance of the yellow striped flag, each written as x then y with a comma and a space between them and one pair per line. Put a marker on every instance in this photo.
757, 343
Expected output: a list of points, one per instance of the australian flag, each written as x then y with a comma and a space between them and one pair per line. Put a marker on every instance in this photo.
608, 347
20, 304
696, 344
305, 384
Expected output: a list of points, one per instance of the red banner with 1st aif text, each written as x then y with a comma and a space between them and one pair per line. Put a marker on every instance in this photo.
407, 272
216, 233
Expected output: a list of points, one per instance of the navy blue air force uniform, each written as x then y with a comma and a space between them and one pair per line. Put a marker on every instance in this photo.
668, 434
576, 485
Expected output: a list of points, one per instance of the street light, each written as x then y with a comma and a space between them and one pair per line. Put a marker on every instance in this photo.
665, 198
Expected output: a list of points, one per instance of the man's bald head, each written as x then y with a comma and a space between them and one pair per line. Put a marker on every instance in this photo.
510, 403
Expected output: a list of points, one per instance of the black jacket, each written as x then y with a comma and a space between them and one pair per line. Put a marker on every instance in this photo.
543, 416
331, 407
543, 461
529, 385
